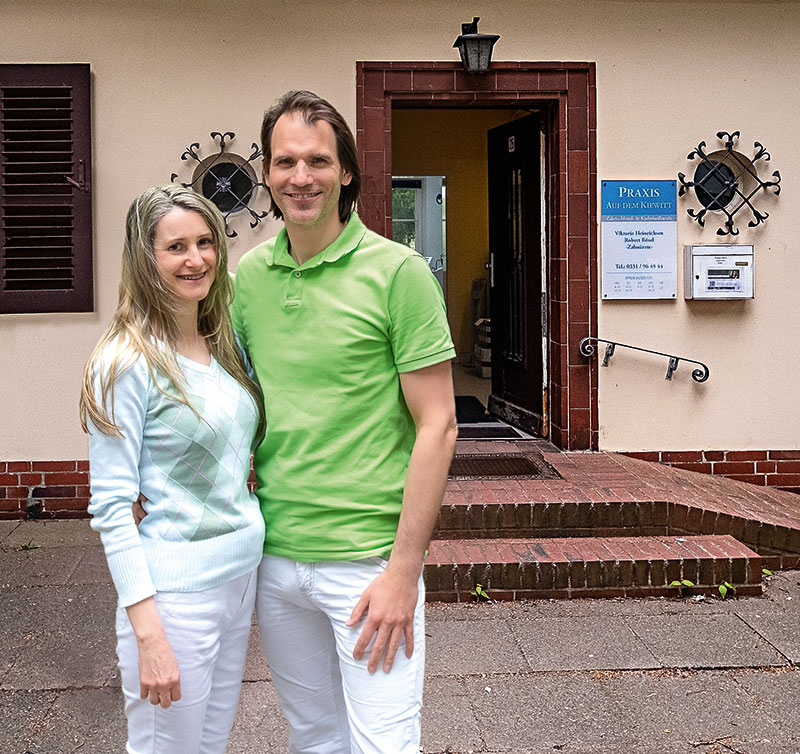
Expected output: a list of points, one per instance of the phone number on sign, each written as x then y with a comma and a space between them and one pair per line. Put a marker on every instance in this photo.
643, 266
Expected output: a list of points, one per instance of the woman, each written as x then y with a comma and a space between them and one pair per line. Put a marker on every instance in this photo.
173, 415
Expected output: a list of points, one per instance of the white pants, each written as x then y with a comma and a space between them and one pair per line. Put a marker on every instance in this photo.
208, 632
333, 704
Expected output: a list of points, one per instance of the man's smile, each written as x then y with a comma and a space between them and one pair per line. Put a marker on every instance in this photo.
302, 196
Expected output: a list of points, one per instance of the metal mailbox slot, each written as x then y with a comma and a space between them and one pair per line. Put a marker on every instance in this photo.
718, 273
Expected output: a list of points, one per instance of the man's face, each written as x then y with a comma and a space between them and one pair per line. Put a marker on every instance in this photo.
304, 174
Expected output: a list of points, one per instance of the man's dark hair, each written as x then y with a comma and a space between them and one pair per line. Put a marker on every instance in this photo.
311, 109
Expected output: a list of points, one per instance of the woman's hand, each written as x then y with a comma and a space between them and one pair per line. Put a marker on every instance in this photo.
159, 676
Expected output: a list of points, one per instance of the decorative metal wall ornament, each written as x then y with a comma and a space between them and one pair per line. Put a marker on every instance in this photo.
225, 178
726, 181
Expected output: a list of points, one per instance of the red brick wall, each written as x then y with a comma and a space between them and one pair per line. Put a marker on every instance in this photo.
766, 468
44, 489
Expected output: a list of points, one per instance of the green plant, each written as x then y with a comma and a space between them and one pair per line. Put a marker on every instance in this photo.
29, 546
479, 593
766, 571
724, 588
681, 585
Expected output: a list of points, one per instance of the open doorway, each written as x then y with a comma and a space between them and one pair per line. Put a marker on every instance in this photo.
564, 93
490, 256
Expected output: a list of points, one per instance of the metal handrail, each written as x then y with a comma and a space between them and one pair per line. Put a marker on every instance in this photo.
587, 348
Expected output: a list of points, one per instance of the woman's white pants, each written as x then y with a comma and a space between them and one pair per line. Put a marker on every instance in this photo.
208, 632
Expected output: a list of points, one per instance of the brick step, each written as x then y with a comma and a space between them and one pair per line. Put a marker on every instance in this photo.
488, 514
463, 517
562, 567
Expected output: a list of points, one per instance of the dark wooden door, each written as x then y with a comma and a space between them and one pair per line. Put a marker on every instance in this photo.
518, 327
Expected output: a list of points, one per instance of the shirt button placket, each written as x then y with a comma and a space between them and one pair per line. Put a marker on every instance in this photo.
294, 289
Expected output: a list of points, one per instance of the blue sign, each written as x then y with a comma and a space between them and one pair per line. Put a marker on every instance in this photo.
639, 239
639, 200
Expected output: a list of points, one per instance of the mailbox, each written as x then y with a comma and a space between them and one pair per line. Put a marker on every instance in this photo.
717, 272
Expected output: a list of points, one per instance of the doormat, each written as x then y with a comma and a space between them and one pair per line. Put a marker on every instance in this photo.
469, 410
493, 431
505, 465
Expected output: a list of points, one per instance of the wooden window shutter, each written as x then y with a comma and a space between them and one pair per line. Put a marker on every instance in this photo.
45, 188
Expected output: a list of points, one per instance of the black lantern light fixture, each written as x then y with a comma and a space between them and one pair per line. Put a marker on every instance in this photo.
475, 49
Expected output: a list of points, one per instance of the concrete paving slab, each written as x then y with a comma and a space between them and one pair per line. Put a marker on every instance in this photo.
448, 722
92, 569
548, 712
66, 533
462, 648
256, 668
88, 721
789, 580
39, 567
260, 726
767, 604
6, 663
768, 746
580, 748
6, 528
771, 691
628, 606
60, 637
585, 643
781, 630
22, 714
473, 611
114, 680
703, 641
784, 588
685, 707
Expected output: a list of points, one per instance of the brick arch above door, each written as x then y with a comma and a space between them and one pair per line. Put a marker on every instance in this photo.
567, 92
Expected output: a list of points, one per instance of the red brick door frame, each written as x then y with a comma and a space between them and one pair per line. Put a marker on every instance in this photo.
567, 92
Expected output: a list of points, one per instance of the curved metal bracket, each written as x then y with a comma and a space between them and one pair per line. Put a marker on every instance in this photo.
587, 348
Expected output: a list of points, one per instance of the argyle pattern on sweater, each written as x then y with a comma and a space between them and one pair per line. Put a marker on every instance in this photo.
199, 457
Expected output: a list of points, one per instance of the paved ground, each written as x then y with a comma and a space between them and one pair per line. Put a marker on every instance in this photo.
582, 677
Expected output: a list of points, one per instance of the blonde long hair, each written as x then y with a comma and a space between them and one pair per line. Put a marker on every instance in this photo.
146, 313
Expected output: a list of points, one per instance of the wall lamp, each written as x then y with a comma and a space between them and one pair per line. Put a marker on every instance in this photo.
475, 49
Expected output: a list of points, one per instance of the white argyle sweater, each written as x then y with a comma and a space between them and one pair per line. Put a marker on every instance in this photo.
203, 527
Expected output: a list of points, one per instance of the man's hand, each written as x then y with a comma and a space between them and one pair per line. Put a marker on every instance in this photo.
389, 603
138, 509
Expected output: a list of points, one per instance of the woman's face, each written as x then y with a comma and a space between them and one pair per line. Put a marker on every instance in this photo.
186, 257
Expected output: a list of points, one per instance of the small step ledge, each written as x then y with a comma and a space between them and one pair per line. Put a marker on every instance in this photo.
558, 567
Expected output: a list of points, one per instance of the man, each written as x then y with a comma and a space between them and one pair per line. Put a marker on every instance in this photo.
348, 336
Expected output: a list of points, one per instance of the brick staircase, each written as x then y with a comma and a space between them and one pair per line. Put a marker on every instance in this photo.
602, 525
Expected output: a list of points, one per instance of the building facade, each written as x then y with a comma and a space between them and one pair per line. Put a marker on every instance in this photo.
586, 92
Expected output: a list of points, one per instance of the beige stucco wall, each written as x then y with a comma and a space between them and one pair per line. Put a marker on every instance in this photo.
166, 74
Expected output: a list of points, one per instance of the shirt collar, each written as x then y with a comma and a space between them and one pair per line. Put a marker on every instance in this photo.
345, 243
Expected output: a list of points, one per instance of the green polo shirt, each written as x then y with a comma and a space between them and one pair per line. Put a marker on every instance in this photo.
328, 341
